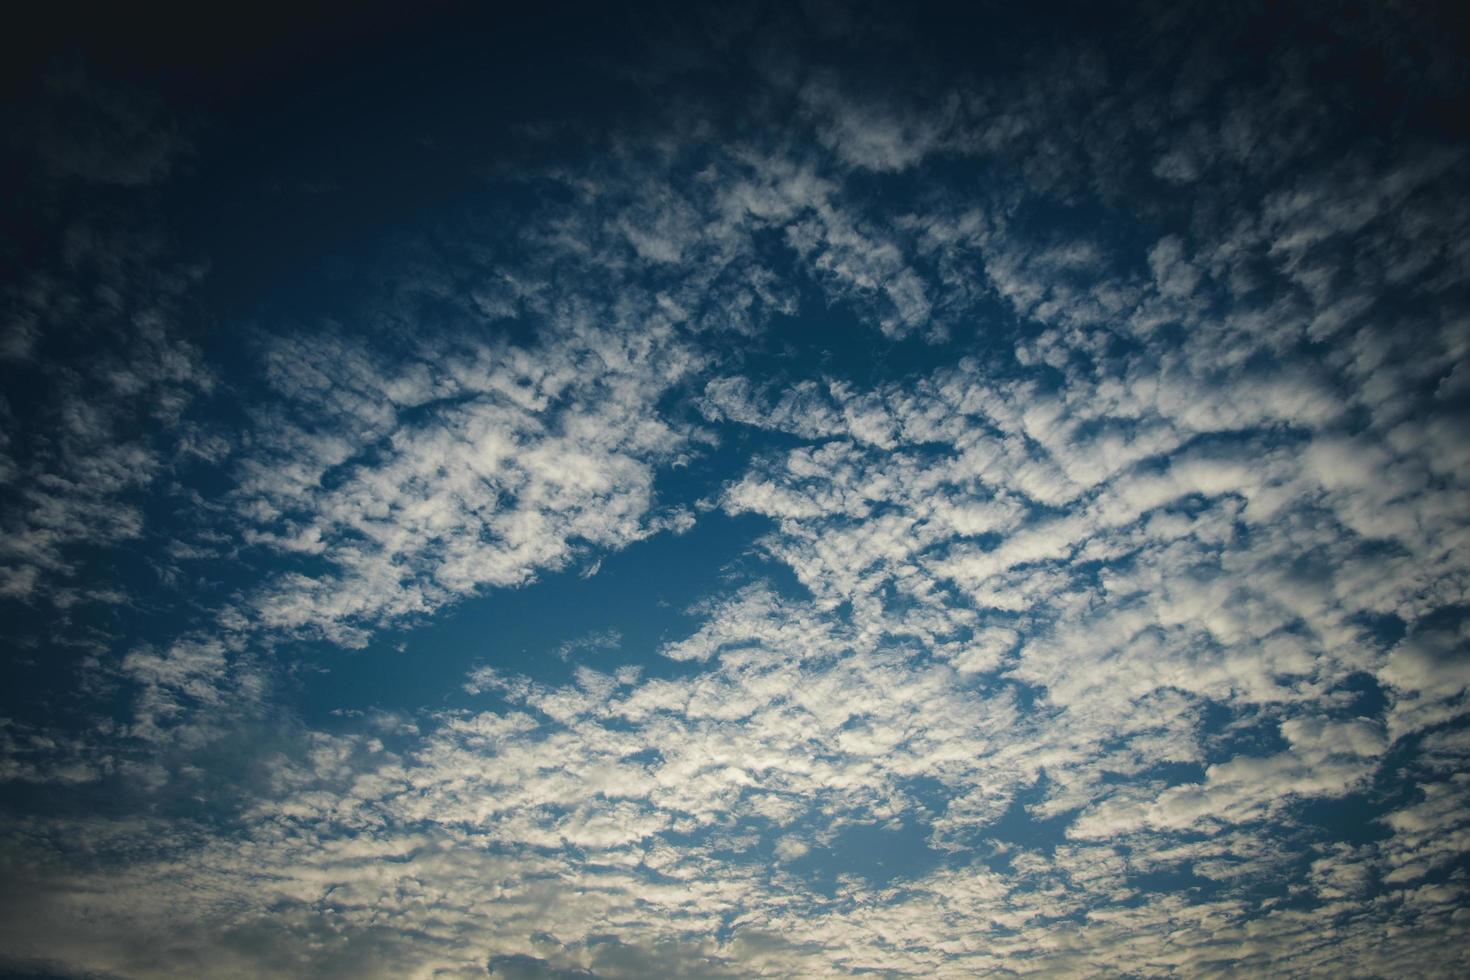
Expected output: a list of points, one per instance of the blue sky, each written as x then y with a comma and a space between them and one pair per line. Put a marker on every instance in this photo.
773, 490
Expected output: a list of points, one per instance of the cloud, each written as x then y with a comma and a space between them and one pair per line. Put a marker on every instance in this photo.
1096, 617
103, 132
477, 469
85, 436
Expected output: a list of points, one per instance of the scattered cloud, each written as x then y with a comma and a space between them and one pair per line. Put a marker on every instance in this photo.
1116, 625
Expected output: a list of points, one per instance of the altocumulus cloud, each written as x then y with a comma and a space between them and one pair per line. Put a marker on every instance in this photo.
834, 493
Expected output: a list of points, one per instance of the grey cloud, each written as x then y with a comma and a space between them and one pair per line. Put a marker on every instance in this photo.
94, 130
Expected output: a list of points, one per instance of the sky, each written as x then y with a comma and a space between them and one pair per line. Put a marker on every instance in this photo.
766, 489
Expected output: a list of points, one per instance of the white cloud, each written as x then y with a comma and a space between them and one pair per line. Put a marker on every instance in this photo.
480, 468
1119, 574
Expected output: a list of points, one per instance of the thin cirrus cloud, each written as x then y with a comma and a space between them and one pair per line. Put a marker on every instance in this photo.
1094, 445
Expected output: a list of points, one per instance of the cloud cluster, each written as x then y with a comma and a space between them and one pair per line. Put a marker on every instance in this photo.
1126, 634
95, 345
419, 483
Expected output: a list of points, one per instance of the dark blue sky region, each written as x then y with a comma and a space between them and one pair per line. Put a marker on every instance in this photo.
789, 490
